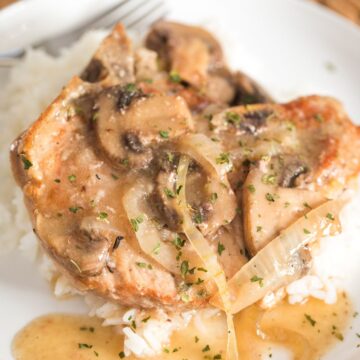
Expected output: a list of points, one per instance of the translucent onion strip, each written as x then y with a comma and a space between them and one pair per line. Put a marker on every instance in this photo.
280, 262
146, 229
207, 255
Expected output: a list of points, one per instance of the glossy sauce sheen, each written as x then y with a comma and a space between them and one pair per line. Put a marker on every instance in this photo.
57, 337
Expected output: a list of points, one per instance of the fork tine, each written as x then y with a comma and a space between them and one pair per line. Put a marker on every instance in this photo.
159, 6
111, 19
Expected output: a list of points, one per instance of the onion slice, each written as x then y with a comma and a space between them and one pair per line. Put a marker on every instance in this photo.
279, 262
211, 157
207, 255
146, 229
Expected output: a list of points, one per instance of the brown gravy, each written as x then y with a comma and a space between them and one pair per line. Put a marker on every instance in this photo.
307, 330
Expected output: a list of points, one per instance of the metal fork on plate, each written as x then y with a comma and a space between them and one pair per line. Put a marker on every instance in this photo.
134, 14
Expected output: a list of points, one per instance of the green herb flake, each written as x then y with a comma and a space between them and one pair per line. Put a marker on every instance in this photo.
330, 216
319, 118
306, 231
75, 209
136, 222
184, 268
164, 134
223, 158
174, 76
217, 357
213, 197
178, 189
196, 339
220, 248
198, 218
258, 279
145, 320
268, 179
124, 162
121, 355
201, 269
185, 298
258, 228
178, 242
26, 162
310, 319
251, 188
143, 265
306, 205
96, 353
232, 117
270, 197
58, 181
166, 350
114, 176
156, 249
131, 87
102, 215
170, 194
206, 348
84, 346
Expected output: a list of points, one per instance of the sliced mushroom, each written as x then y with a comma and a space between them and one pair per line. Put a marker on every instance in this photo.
268, 209
190, 51
248, 91
83, 250
113, 62
127, 124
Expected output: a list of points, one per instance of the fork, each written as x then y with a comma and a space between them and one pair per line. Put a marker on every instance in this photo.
134, 14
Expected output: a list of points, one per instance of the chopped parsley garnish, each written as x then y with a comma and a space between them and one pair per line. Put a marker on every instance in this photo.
143, 265
258, 228
268, 179
310, 319
170, 194
337, 334
319, 118
96, 353
258, 279
114, 176
164, 134
178, 189
201, 269
102, 215
217, 357
232, 117
185, 297
166, 350
145, 320
75, 209
84, 346
287, 204
156, 249
306, 231
184, 268
136, 222
198, 218
213, 197
131, 87
72, 178
220, 248
124, 162
26, 162
196, 339
179, 242
270, 197
223, 158
330, 216
121, 355
199, 281
206, 348
307, 205
174, 76
87, 328
58, 181
251, 188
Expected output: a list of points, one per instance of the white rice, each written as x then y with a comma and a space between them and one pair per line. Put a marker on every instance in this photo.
31, 87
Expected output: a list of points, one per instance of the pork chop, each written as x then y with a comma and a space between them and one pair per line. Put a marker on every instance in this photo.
98, 169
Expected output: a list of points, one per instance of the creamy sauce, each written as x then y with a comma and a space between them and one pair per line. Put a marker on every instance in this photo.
307, 330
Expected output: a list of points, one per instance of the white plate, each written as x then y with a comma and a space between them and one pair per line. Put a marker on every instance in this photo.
292, 47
